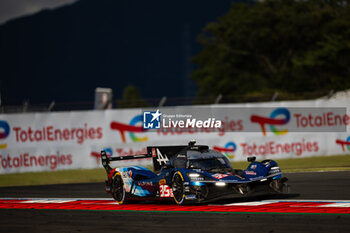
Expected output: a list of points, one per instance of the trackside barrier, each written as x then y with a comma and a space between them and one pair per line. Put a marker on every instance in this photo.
34, 142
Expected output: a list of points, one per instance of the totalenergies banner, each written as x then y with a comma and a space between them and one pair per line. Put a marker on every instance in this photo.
70, 140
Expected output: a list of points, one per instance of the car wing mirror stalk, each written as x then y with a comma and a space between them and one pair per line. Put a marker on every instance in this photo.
251, 159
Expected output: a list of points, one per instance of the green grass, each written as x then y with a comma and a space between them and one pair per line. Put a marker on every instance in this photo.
56, 177
325, 163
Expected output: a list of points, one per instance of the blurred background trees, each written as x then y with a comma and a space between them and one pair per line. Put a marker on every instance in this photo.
287, 46
131, 98
251, 51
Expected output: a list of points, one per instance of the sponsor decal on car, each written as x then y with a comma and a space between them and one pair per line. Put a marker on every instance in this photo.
162, 181
165, 191
190, 197
251, 173
144, 183
220, 176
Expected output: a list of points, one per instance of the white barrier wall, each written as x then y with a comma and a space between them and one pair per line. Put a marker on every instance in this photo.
70, 140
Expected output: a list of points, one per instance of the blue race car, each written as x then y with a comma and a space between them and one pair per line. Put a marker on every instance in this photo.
190, 174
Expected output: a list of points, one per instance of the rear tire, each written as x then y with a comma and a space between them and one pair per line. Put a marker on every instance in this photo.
178, 188
117, 189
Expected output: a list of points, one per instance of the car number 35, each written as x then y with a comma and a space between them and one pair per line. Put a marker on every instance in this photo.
165, 191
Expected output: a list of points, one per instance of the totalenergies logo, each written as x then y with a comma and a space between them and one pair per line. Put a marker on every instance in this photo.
344, 143
132, 128
272, 121
97, 155
4, 133
228, 150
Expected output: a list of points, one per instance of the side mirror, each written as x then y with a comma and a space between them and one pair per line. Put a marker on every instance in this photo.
251, 159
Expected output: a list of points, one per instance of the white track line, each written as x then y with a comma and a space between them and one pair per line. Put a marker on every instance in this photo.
305, 200
47, 201
347, 205
336, 203
252, 203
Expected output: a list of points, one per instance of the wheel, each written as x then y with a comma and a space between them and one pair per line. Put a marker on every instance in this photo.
280, 186
178, 188
201, 193
118, 191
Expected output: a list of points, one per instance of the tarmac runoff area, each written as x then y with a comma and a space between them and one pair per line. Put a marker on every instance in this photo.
318, 202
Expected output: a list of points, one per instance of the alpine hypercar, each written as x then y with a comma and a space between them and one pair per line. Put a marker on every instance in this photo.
189, 174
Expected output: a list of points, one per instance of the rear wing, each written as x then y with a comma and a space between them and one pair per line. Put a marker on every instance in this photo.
107, 160
160, 155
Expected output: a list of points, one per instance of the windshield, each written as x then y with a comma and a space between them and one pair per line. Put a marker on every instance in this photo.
211, 164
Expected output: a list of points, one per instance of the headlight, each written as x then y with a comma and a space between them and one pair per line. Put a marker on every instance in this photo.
198, 177
195, 177
220, 184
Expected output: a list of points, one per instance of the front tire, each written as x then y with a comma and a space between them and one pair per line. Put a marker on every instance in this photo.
118, 191
280, 185
178, 188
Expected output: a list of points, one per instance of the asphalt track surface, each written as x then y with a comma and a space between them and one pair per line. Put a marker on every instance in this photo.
305, 186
